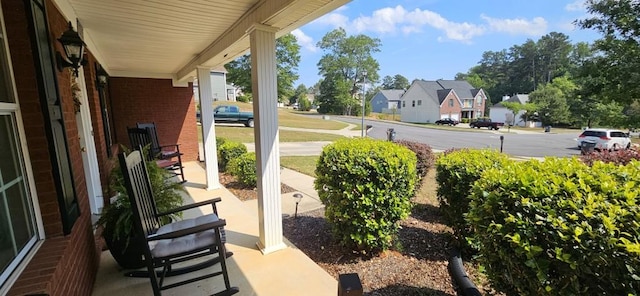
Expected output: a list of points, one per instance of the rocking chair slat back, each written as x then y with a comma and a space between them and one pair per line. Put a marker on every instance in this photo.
137, 182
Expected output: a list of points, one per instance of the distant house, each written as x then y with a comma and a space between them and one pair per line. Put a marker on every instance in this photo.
428, 101
385, 101
500, 113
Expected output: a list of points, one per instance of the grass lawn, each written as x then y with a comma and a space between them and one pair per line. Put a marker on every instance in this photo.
302, 164
292, 118
244, 134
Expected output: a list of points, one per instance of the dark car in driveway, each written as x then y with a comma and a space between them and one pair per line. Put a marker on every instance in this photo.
447, 121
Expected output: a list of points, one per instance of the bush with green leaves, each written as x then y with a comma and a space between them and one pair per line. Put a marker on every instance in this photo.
559, 227
423, 153
244, 169
456, 171
228, 151
366, 186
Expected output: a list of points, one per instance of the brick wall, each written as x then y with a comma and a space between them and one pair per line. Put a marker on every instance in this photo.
64, 265
445, 109
156, 100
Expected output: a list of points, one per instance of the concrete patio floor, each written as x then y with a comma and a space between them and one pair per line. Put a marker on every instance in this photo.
285, 272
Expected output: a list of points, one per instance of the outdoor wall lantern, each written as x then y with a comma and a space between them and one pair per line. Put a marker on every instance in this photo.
298, 198
73, 50
101, 77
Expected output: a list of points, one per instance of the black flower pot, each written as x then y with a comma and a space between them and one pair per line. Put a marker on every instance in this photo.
128, 256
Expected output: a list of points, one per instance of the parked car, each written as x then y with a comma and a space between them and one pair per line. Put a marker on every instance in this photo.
605, 139
232, 114
486, 122
447, 121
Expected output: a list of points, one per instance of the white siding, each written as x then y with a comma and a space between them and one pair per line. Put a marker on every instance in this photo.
428, 111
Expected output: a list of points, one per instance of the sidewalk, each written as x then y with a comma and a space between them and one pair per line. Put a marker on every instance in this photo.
303, 185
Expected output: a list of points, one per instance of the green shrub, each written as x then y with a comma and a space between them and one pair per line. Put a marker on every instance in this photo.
456, 171
244, 98
464, 120
366, 186
244, 169
228, 151
559, 227
304, 104
423, 153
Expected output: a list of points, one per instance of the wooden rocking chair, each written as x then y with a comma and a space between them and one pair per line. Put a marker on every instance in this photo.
142, 137
176, 242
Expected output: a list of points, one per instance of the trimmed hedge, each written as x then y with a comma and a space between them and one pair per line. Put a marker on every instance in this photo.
456, 171
559, 227
229, 150
366, 186
423, 153
244, 169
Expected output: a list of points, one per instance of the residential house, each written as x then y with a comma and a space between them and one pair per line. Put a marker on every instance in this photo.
428, 101
501, 114
61, 127
387, 101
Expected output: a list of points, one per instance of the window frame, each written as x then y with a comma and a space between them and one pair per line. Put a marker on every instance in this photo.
20, 261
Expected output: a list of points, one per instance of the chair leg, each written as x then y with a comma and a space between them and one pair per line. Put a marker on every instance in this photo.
181, 168
153, 278
223, 265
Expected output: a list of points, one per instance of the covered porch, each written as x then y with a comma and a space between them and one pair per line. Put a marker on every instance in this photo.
140, 61
286, 272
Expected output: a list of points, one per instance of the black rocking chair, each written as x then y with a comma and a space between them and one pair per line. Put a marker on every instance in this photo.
177, 242
143, 137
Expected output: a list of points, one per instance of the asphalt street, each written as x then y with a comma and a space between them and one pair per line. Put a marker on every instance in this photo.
531, 144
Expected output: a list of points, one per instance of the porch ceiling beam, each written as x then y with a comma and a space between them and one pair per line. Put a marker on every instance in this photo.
260, 14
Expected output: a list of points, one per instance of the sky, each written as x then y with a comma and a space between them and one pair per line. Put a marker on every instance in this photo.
435, 39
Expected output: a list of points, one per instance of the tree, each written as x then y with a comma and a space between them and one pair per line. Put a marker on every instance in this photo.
396, 82
613, 69
552, 101
287, 57
300, 92
345, 60
529, 110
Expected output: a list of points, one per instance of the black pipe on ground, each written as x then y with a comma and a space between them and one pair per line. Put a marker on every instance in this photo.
461, 282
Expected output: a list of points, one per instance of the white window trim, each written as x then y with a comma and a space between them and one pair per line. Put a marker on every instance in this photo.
27, 253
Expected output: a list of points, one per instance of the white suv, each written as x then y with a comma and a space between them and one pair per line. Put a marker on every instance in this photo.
605, 139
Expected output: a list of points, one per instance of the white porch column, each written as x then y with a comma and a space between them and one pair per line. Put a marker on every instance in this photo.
208, 129
265, 109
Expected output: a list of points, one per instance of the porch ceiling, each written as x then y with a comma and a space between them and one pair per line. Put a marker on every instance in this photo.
170, 38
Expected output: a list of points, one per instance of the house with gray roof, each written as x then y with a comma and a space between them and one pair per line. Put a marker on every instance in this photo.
387, 101
428, 101
500, 113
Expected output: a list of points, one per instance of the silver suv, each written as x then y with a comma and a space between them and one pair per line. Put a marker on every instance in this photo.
605, 139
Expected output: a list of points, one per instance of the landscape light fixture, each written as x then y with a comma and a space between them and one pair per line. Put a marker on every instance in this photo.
364, 94
73, 50
298, 198
501, 142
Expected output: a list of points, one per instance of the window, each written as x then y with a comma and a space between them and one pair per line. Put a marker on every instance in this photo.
413, 103
403, 104
419, 102
450, 102
479, 100
17, 219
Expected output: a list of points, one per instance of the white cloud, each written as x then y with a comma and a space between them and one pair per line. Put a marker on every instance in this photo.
333, 19
578, 5
535, 27
304, 40
391, 20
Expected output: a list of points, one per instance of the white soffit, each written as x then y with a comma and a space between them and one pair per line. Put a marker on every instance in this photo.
170, 38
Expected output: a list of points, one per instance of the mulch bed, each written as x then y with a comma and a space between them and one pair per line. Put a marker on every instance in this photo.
244, 192
416, 266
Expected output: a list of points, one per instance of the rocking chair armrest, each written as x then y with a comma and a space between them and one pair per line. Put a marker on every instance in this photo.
176, 146
212, 202
187, 231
